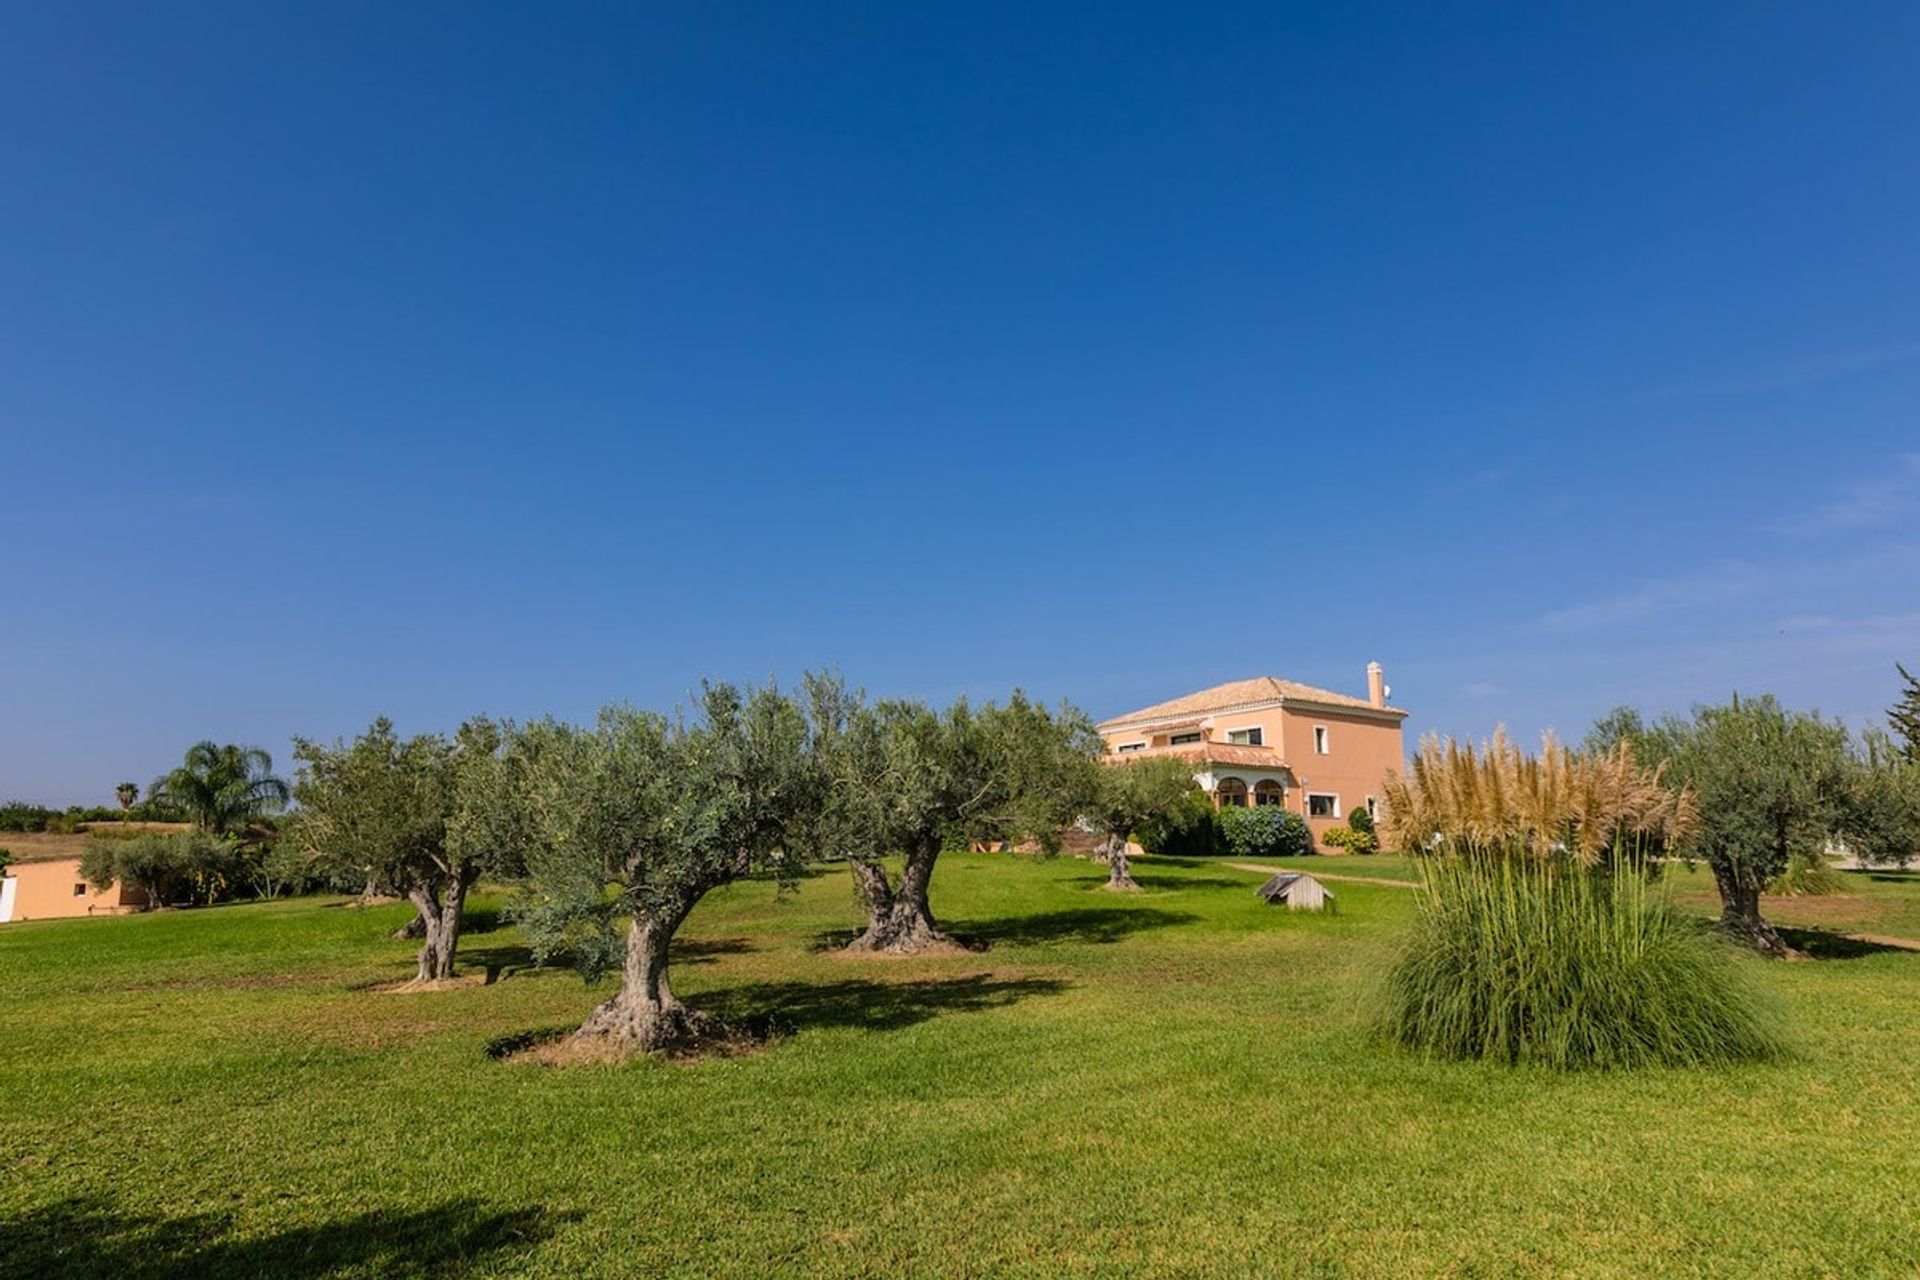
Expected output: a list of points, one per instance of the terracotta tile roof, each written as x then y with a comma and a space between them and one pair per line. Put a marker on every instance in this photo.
1240, 693
1212, 753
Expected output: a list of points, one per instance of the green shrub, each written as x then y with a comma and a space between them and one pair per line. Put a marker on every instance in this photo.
1538, 960
1195, 829
1352, 838
1267, 831
1185, 831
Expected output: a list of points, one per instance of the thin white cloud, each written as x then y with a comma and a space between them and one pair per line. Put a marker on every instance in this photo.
1718, 584
1484, 689
1856, 633
1893, 492
1793, 373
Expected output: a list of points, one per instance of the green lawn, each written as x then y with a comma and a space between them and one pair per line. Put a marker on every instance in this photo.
1177, 1084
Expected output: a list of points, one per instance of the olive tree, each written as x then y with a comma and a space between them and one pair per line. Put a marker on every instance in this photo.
1128, 794
913, 781
403, 812
628, 824
1882, 823
1904, 715
162, 869
1767, 780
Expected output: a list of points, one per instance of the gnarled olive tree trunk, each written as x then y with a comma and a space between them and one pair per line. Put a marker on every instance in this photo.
1113, 852
644, 1015
1740, 912
899, 921
439, 921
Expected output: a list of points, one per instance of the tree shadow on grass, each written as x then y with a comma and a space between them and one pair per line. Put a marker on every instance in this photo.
1824, 944
1078, 925
777, 1008
500, 962
518, 961
88, 1237
1074, 925
707, 950
481, 919
1153, 880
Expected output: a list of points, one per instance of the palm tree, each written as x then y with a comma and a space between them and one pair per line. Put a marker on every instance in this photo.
222, 788
127, 793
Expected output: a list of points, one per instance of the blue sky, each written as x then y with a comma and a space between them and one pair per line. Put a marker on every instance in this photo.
429, 359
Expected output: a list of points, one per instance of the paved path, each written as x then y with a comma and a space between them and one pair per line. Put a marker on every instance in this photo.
1882, 940
1877, 939
1318, 874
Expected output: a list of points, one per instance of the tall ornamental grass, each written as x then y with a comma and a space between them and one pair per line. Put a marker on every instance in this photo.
1546, 961
1543, 935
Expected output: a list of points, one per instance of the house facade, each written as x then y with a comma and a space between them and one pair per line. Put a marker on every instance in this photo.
1268, 741
51, 887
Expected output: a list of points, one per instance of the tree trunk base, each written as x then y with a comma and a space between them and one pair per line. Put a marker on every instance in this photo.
628, 1026
1121, 884
1759, 935
905, 935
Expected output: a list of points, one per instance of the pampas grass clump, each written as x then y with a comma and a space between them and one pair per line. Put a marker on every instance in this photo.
1548, 962
1543, 935
1808, 874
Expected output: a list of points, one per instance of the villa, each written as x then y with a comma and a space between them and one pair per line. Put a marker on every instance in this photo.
1268, 741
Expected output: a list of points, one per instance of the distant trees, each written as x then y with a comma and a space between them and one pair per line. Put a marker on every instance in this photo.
1904, 715
914, 781
1883, 822
220, 789
629, 824
128, 794
411, 814
1126, 795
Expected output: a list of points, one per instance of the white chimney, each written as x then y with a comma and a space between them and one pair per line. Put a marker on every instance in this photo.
1376, 685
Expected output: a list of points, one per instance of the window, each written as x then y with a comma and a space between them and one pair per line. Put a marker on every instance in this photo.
1321, 805
1267, 791
1246, 737
1231, 791
1373, 806
1182, 739
80, 890
1320, 740
1132, 746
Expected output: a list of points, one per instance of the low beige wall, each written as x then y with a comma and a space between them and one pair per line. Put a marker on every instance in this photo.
53, 887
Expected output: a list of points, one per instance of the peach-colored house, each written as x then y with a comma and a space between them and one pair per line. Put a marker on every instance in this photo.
49, 887
1272, 741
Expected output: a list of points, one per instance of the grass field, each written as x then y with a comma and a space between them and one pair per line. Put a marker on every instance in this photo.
1178, 1084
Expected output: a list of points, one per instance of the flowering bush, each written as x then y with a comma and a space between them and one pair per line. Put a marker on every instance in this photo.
1267, 831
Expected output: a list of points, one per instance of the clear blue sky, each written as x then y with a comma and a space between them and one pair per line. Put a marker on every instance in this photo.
430, 359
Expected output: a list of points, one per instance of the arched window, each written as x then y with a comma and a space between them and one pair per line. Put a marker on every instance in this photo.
1230, 791
1267, 791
